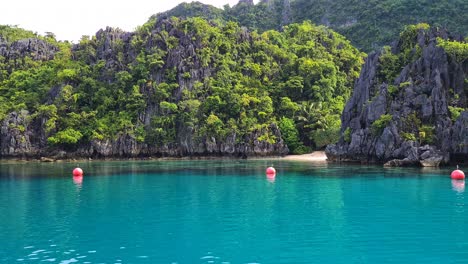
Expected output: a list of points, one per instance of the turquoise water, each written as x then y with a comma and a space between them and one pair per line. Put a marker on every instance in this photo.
229, 212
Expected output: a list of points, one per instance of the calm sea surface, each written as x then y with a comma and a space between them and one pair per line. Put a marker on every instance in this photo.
228, 211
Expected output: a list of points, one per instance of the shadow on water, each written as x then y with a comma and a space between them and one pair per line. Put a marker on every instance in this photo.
30, 170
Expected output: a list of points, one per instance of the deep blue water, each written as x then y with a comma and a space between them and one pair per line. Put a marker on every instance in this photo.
230, 212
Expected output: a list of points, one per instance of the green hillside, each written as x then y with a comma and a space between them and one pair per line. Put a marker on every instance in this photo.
367, 24
173, 79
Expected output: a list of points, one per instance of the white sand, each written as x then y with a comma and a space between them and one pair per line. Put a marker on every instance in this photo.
316, 156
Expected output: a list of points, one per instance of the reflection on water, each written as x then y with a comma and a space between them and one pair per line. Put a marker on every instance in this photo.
271, 177
458, 186
228, 211
78, 181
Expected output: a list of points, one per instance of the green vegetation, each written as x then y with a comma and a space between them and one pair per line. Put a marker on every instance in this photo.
408, 37
457, 50
389, 67
408, 136
210, 80
390, 64
290, 135
298, 79
13, 33
379, 125
415, 130
455, 112
347, 135
368, 24
427, 134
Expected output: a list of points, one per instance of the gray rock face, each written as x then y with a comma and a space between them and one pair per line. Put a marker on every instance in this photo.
128, 146
418, 102
15, 135
35, 48
110, 42
459, 142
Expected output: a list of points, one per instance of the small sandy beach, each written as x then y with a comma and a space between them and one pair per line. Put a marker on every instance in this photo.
316, 156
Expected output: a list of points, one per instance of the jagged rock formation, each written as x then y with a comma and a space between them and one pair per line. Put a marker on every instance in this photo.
128, 146
36, 49
406, 120
18, 139
15, 135
25, 136
459, 144
18, 136
13, 54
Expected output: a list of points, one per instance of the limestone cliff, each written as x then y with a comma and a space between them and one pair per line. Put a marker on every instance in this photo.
25, 135
36, 49
407, 120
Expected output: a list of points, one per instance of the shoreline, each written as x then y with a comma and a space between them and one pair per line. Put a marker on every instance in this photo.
316, 156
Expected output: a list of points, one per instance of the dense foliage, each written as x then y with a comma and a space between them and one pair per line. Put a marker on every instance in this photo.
373, 23
13, 33
176, 77
368, 24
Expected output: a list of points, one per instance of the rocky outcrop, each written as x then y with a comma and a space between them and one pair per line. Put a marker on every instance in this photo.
113, 47
459, 142
15, 134
420, 129
17, 141
24, 135
34, 48
126, 146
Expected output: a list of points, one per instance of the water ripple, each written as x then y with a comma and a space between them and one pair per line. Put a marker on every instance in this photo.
226, 212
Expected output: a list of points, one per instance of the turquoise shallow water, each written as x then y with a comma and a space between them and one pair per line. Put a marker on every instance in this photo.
229, 212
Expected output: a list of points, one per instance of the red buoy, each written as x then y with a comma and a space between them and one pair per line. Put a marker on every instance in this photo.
270, 171
457, 175
77, 172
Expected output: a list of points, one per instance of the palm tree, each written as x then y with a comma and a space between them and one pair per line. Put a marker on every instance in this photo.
309, 115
